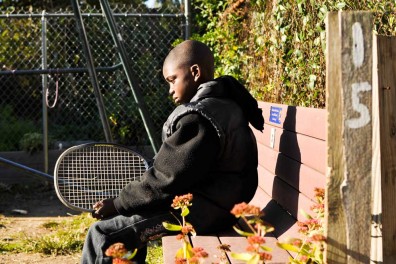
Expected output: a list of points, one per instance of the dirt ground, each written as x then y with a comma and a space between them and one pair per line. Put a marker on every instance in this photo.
24, 211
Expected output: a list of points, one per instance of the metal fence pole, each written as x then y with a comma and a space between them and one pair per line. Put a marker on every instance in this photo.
44, 79
129, 74
187, 14
91, 70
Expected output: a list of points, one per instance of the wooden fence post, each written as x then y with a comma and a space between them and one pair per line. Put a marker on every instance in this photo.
384, 149
349, 104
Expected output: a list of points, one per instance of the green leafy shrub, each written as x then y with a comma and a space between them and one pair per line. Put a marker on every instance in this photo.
278, 47
31, 142
12, 129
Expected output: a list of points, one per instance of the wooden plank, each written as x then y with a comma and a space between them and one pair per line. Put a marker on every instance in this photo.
376, 253
298, 175
290, 199
210, 245
356, 41
239, 244
266, 180
384, 150
334, 217
274, 214
294, 173
309, 151
312, 152
170, 245
277, 217
284, 194
355, 61
261, 198
303, 120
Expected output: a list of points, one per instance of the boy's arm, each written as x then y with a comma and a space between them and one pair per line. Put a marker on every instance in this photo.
183, 161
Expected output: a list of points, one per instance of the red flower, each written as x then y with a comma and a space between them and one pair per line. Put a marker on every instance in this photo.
180, 261
116, 250
265, 256
256, 240
181, 201
200, 252
187, 229
318, 237
180, 237
297, 242
193, 260
251, 248
319, 192
245, 209
121, 261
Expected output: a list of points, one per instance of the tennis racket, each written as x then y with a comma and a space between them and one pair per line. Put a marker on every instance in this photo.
88, 173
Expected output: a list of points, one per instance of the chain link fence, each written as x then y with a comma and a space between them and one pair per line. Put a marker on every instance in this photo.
65, 97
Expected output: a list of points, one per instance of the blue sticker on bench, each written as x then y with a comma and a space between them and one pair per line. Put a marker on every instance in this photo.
275, 114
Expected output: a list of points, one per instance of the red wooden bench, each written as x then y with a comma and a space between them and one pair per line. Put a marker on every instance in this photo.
292, 162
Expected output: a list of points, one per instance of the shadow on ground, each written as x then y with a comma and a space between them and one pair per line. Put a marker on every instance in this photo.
31, 200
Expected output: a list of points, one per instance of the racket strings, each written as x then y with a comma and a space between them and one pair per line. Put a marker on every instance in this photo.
94, 173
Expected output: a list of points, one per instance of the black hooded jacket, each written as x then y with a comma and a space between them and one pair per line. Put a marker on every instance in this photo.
208, 150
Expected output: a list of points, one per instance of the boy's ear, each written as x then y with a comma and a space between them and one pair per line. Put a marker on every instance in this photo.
195, 71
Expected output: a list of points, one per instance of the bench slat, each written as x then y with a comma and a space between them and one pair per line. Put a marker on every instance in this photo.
303, 120
170, 245
210, 245
239, 244
307, 150
274, 214
290, 199
298, 175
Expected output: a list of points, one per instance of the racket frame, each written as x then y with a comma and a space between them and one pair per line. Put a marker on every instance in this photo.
60, 182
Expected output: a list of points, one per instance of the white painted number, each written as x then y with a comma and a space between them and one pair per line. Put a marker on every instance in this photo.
364, 118
358, 45
357, 88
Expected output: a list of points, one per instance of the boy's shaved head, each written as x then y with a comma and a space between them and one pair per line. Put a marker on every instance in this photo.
192, 52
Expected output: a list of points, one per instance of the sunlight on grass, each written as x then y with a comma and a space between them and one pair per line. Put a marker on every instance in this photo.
154, 252
63, 238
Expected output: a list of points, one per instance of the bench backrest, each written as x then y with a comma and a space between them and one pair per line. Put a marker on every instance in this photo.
292, 162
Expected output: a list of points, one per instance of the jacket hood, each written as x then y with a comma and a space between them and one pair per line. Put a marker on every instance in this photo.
230, 88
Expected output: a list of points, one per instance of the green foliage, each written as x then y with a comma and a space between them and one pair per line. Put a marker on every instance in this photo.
12, 127
154, 252
32, 142
278, 47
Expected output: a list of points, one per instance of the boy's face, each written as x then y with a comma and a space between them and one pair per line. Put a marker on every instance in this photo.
182, 82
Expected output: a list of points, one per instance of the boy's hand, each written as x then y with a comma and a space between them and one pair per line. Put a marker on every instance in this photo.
104, 208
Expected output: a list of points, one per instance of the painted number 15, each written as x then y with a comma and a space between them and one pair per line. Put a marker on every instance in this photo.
357, 88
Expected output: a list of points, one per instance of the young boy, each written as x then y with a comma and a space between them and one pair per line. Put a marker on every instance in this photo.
208, 150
